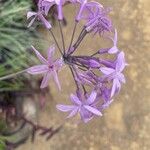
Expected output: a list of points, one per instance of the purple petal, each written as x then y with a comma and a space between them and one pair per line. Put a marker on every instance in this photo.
55, 76
122, 78
57, 2
45, 80
93, 64
106, 70
93, 110
39, 69
107, 104
65, 108
45, 22
73, 112
41, 58
75, 99
59, 8
78, 17
58, 64
92, 97
86, 115
118, 85
120, 64
31, 22
31, 14
115, 40
115, 37
50, 54
113, 50
114, 87
47, 5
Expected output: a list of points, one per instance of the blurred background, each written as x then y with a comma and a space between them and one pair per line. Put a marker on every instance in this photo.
125, 125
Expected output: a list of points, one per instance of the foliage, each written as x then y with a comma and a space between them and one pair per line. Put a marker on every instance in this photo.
15, 40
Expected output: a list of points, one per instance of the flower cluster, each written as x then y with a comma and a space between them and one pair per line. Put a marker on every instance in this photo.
97, 79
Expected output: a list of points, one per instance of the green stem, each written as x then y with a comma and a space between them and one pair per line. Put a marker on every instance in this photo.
12, 75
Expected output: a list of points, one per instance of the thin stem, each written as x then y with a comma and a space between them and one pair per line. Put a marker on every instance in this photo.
78, 41
81, 65
80, 35
74, 29
62, 36
94, 54
56, 42
12, 75
81, 32
74, 77
82, 69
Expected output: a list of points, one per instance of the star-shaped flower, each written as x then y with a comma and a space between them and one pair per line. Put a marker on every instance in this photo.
49, 67
115, 74
39, 16
84, 106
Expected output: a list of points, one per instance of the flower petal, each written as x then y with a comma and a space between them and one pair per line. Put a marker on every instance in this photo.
50, 53
113, 50
31, 22
65, 108
47, 4
122, 78
106, 70
118, 85
45, 22
86, 115
41, 58
38, 69
92, 97
93, 110
75, 99
107, 104
73, 112
45, 80
58, 64
55, 76
30, 14
93, 63
114, 87
115, 38
120, 64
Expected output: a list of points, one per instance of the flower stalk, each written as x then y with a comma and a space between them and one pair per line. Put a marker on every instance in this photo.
102, 77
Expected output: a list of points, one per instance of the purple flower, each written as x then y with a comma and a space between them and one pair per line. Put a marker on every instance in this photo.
99, 23
49, 67
115, 74
84, 77
90, 62
114, 49
95, 16
88, 10
106, 104
84, 106
38, 15
49, 3
83, 3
